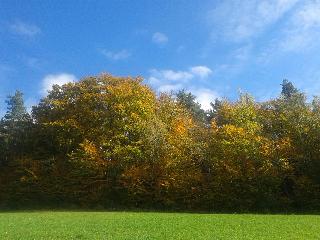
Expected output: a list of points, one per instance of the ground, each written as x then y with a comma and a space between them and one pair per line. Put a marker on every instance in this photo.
146, 225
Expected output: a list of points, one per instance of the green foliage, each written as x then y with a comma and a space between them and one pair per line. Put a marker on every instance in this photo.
188, 101
288, 90
17, 167
110, 141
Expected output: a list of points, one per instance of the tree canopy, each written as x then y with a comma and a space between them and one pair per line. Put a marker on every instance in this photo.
108, 141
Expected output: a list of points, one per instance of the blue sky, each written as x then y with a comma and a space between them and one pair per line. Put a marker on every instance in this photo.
212, 48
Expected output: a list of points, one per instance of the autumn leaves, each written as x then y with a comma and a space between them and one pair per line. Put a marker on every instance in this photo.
111, 141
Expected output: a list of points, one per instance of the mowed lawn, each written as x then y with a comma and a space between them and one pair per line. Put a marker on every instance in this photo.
147, 225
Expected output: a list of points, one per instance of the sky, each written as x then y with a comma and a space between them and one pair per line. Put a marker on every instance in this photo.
215, 49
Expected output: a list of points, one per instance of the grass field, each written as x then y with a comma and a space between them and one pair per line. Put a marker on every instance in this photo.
132, 225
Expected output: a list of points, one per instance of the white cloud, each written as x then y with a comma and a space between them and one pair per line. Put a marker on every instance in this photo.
58, 79
168, 75
24, 29
169, 80
205, 96
160, 38
201, 71
171, 75
176, 75
240, 20
121, 55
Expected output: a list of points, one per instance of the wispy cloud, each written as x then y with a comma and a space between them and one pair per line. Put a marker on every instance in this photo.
299, 34
160, 38
24, 29
240, 20
201, 71
32, 62
55, 79
303, 30
168, 80
172, 80
115, 56
171, 75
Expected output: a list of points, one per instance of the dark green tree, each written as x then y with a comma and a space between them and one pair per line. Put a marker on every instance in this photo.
288, 89
13, 128
188, 101
16, 149
213, 112
16, 110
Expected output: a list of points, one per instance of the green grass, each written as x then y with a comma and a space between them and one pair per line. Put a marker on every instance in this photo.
145, 225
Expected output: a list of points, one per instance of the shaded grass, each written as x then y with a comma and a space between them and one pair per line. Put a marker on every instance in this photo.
148, 225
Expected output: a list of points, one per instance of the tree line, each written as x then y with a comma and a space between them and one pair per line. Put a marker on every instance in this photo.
112, 142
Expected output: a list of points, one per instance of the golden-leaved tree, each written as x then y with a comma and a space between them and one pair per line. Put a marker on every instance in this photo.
96, 126
246, 167
170, 173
